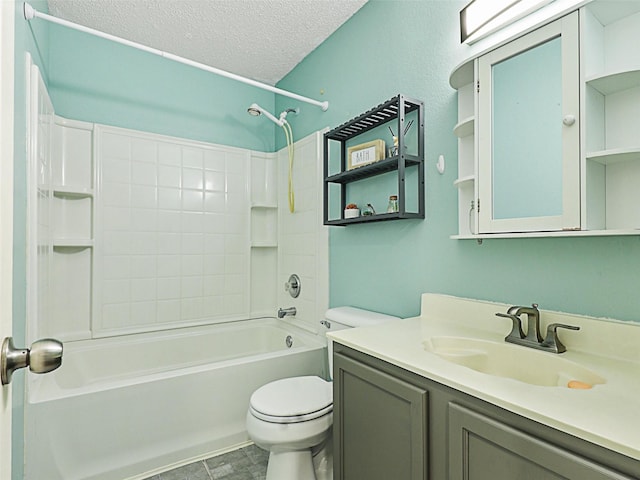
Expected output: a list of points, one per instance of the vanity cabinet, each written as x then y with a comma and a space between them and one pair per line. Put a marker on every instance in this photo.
483, 448
404, 118
392, 423
547, 129
381, 423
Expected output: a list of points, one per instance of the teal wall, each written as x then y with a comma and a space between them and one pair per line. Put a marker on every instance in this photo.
388, 47
30, 38
100, 81
411, 47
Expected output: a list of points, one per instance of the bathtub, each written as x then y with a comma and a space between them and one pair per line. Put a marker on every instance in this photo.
120, 408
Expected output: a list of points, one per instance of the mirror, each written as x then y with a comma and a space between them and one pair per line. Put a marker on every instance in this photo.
526, 141
528, 146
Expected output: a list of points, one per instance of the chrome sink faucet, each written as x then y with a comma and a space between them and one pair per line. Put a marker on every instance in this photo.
533, 339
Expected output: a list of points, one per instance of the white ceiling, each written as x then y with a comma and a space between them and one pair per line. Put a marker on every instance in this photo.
259, 39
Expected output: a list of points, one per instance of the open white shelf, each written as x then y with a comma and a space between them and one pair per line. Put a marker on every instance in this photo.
615, 155
266, 206
72, 242
562, 233
460, 182
464, 128
615, 82
63, 191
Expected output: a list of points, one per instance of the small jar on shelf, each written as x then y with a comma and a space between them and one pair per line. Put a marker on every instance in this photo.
393, 204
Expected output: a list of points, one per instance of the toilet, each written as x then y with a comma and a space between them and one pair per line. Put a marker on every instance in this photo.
291, 418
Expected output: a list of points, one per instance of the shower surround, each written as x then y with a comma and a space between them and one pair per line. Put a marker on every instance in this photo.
133, 233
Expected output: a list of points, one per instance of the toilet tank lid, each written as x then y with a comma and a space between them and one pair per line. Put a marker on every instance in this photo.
357, 317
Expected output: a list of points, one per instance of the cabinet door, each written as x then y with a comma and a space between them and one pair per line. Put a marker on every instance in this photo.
481, 448
528, 132
380, 425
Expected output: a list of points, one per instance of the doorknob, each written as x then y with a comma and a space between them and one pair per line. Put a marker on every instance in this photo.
44, 356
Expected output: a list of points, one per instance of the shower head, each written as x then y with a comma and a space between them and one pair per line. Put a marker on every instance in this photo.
256, 110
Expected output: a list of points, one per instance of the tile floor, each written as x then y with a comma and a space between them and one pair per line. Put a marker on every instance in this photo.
247, 463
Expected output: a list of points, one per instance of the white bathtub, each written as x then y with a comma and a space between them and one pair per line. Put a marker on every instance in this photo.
120, 407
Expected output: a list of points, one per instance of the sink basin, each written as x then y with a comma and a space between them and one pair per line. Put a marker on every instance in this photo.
512, 361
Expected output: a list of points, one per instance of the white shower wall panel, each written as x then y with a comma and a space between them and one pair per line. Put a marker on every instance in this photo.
40, 119
134, 231
71, 143
302, 238
172, 232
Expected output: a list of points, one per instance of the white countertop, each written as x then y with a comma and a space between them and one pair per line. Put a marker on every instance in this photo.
607, 415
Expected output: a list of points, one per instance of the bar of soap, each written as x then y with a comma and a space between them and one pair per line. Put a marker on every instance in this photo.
577, 384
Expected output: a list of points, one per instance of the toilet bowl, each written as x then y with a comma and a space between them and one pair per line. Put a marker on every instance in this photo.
292, 417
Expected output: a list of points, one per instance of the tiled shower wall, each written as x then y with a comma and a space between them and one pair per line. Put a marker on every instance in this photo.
172, 235
133, 232
303, 240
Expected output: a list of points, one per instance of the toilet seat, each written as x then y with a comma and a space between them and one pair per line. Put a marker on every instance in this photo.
292, 400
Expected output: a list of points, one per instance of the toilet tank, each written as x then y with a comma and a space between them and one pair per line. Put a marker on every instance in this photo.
340, 318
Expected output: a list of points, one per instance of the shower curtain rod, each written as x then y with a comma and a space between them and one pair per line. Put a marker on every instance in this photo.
30, 13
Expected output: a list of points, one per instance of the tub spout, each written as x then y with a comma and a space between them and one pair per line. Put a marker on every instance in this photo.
283, 312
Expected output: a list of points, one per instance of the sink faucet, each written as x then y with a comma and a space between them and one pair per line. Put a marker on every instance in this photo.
533, 320
283, 312
533, 339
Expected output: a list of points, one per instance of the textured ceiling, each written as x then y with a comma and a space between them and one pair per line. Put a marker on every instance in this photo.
260, 39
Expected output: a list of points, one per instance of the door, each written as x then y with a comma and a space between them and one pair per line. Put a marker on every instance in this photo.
7, 12
528, 133
482, 448
380, 424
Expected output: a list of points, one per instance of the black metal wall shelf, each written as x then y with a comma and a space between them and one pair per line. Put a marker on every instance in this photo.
379, 217
378, 168
395, 108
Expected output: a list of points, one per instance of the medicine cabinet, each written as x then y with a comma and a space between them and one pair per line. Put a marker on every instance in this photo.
547, 132
528, 155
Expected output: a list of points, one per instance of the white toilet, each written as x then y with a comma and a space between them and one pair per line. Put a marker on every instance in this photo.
292, 417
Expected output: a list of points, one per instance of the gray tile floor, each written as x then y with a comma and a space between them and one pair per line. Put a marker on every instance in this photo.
248, 463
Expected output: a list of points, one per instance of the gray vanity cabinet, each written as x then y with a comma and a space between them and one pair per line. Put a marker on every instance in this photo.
482, 448
391, 424
381, 423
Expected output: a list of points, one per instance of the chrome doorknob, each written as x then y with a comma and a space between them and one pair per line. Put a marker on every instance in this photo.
44, 356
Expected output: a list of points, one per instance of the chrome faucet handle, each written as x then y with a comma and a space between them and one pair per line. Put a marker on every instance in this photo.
551, 341
516, 329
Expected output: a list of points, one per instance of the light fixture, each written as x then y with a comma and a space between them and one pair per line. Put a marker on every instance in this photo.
481, 17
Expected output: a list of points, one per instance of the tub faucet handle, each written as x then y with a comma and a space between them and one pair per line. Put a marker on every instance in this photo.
292, 286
